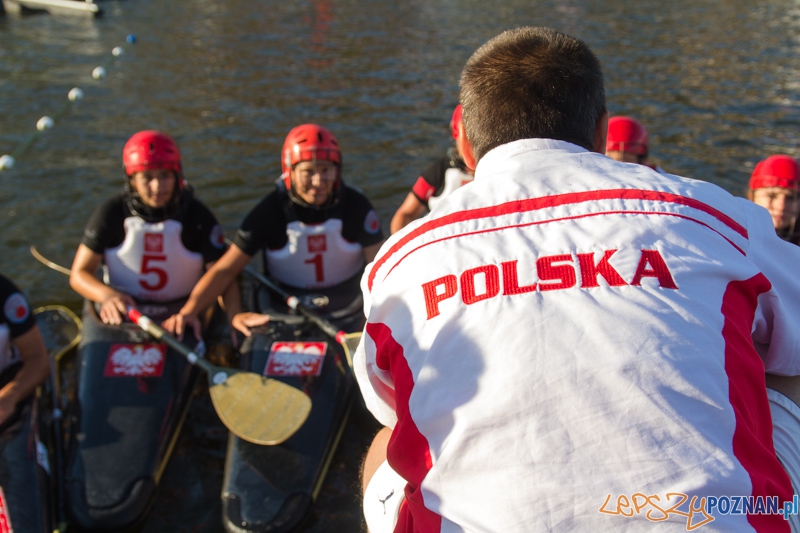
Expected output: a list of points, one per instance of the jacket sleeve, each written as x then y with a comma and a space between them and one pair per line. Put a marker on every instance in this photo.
377, 385
776, 327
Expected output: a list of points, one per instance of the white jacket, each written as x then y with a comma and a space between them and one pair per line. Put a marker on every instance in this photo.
570, 331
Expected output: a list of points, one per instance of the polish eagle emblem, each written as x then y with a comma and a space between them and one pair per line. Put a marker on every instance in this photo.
141, 360
296, 358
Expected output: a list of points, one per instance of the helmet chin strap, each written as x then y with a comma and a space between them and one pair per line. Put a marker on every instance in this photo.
787, 233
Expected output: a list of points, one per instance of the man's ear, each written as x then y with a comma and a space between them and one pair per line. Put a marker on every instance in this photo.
600, 134
465, 148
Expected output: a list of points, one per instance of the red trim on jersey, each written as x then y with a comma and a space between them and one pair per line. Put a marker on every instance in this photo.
408, 452
423, 190
752, 437
575, 217
532, 204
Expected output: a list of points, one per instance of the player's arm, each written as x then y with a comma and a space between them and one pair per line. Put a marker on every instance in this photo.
371, 251
231, 303
84, 281
409, 210
35, 369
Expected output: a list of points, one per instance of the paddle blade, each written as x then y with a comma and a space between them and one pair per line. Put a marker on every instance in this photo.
257, 409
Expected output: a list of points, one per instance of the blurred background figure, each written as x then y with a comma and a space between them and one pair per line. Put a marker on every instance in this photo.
442, 177
24, 364
627, 142
774, 185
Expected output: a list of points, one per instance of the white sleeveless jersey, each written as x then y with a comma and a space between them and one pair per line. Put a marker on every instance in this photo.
572, 343
315, 256
454, 178
152, 263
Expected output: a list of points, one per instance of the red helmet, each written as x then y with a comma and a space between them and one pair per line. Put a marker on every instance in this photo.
776, 171
309, 142
455, 121
626, 134
148, 150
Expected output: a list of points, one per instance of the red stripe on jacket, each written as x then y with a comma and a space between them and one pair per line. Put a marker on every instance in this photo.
532, 204
752, 437
408, 452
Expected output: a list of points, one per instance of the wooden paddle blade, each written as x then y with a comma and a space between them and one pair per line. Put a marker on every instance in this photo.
258, 409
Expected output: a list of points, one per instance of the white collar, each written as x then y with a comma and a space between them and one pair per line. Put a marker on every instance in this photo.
514, 148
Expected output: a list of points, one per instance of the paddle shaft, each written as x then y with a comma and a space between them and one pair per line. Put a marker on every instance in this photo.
161, 335
294, 303
49, 264
57, 416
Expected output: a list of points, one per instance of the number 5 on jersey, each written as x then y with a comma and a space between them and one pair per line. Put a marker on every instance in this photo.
149, 267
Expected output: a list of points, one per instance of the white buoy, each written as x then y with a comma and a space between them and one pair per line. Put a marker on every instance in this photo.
44, 123
99, 73
6, 161
117, 51
75, 94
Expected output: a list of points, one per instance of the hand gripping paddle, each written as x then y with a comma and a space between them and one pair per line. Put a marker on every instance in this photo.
253, 407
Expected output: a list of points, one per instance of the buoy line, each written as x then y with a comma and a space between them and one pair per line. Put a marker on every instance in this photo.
7, 161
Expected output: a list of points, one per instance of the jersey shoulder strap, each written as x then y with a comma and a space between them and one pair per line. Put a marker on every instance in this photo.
286, 202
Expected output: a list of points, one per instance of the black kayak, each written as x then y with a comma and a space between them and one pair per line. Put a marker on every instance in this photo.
28, 464
132, 395
271, 488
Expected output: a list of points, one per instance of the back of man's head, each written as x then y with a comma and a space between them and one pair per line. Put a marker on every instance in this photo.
531, 83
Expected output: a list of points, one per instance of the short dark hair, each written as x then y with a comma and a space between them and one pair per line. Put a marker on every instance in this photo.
531, 83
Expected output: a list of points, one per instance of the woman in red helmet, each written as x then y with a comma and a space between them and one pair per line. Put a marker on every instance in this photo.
627, 142
154, 240
316, 232
774, 185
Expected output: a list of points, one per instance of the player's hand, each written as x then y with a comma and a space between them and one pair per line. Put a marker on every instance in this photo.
244, 321
115, 307
177, 324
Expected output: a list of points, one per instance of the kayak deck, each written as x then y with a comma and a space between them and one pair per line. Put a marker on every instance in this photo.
272, 488
132, 395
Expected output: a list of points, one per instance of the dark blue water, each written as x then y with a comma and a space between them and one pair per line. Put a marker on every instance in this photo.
717, 83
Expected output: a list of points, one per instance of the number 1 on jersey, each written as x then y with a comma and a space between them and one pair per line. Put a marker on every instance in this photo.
319, 271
